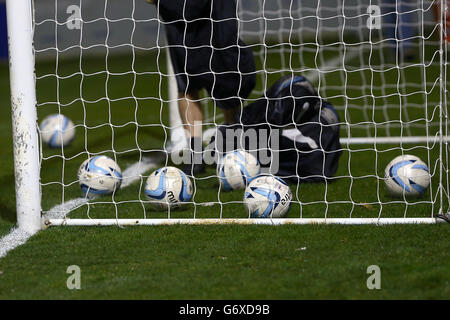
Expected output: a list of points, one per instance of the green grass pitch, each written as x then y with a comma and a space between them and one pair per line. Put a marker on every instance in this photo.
226, 262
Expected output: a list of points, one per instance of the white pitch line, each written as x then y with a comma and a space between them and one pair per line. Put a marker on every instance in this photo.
12, 240
313, 76
62, 210
134, 172
18, 237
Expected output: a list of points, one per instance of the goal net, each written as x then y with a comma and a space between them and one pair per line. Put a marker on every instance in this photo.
105, 65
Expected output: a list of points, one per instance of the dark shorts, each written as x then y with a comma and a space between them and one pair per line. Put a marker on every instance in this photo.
206, 51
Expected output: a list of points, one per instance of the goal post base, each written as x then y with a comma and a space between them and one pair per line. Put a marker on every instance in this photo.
241, 221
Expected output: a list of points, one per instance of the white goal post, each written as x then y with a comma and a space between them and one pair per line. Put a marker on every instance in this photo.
24, 115
378, 115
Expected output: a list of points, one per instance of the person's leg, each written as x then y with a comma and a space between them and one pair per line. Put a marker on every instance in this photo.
191, 113
192, 117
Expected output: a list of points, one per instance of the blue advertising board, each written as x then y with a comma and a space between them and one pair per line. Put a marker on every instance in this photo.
3, 32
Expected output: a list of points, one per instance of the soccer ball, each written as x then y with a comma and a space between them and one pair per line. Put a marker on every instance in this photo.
267, 197
236, 169
407, 175
168, 187
99, 175
57, 130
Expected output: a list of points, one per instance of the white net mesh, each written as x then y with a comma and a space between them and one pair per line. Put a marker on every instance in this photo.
103, 64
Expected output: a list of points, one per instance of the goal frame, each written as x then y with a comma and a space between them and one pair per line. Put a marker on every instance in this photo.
24, 114
240, 221
26, 146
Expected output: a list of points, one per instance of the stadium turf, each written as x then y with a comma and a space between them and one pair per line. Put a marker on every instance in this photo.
223, 262
231, 262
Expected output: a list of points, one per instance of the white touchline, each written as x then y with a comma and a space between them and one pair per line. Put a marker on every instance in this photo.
62, 210
12, 240
313, 76
17, 237
134, 172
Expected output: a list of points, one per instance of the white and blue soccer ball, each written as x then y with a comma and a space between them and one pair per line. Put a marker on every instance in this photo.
168, 187
57, 130
236, 169
267, 197
407, 175
99, 175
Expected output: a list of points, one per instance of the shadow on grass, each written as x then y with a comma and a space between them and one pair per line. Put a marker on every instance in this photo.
7, 199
